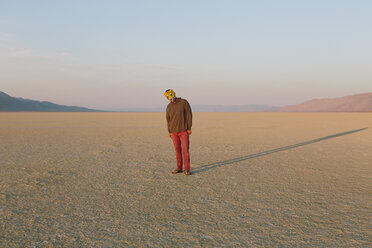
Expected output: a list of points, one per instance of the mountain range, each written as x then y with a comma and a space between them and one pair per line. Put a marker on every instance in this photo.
354, 103
15, 104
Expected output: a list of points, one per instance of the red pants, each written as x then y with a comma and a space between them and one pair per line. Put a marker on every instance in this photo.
182, 139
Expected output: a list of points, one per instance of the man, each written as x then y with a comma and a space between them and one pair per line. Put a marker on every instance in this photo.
179, 121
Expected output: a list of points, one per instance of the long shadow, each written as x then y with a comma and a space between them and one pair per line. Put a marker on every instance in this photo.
206, 167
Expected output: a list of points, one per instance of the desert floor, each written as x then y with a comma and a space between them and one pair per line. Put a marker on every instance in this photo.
104, 180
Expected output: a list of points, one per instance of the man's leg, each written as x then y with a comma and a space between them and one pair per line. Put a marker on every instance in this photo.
177, 148
184, 137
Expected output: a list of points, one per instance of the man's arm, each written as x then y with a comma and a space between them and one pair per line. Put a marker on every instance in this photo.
167, 116
188, 115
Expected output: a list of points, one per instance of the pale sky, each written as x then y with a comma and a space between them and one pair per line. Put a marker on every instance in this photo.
124, 54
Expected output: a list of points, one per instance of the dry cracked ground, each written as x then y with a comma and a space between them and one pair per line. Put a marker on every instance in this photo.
259, 180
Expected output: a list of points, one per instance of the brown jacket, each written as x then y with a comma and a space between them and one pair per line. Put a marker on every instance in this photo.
179, 116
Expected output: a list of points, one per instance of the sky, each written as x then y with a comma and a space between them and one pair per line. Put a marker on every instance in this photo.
124, 54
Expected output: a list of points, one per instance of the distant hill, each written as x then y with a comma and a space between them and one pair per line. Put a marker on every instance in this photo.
14, 104
354, 103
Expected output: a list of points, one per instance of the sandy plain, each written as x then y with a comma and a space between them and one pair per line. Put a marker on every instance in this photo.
259, 180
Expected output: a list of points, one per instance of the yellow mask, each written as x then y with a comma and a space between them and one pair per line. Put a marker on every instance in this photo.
170, 94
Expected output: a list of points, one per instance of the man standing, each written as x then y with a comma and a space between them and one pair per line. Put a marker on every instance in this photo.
179, 121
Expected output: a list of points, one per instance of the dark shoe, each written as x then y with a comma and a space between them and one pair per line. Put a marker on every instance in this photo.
177, 171
187, 172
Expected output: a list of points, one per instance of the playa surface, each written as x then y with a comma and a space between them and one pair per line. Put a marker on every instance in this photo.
103, 180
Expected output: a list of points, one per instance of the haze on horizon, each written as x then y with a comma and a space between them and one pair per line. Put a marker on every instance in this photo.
124, 54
